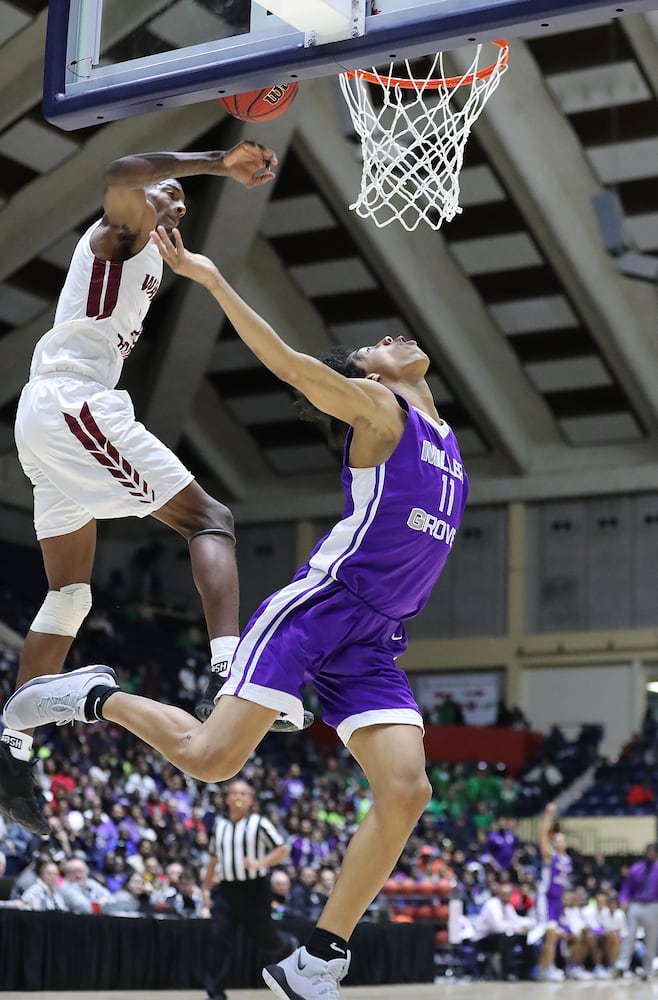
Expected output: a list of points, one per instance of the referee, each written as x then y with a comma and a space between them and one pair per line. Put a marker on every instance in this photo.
243, 846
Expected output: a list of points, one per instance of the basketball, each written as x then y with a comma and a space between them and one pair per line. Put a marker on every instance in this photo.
260, 105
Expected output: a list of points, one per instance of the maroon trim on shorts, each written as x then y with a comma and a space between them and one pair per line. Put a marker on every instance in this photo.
91, 437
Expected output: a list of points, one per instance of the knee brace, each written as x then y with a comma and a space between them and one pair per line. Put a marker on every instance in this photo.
63, 611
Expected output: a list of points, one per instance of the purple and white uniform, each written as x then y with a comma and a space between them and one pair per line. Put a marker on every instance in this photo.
339, 624
555, 879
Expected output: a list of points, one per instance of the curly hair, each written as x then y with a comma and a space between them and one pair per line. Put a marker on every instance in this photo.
340, 359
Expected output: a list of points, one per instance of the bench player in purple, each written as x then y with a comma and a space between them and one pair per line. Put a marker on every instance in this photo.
339, 623
557, 869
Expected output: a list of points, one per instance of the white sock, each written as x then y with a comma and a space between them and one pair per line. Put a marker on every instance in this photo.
222, 648
20, 744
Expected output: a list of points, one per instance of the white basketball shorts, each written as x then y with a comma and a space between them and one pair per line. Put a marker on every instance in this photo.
87, 456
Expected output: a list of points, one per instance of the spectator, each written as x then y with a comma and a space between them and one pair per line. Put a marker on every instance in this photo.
503, 843
6, 887
140, 780
132, 900
280, 887
547, 775
305, 849
504, 715
305, 899
81, 893
293, 785
325, 884
449, 712
43, 894
184, 899
641, 794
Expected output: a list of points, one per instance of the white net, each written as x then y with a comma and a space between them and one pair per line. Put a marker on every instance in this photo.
413, 138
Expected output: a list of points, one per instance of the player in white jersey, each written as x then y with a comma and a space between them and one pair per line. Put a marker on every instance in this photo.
80, 445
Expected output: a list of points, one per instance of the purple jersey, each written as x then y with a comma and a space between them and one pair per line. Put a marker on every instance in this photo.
555, 879
338, 624
400, 519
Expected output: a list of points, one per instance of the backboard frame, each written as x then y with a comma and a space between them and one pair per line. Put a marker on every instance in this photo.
215, 69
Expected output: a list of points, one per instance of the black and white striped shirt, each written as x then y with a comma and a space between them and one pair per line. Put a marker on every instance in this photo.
252, 836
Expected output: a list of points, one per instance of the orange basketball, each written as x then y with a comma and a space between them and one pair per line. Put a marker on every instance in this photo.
261, 105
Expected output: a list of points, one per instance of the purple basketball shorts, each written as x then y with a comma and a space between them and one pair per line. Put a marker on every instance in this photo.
316, 631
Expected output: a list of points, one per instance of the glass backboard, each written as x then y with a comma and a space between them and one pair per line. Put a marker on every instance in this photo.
101, 65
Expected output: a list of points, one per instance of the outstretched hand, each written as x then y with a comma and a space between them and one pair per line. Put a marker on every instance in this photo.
249, 163
180, 260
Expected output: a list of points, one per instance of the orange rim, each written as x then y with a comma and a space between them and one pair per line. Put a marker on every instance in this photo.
449, 82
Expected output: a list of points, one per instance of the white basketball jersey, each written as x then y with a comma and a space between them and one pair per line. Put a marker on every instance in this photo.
99, 313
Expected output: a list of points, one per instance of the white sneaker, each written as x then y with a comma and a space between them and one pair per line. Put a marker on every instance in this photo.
577, 972
304, 977
56, 698
550, 974
600, 972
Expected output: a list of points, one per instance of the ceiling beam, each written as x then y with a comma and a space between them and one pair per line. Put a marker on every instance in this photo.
268, 288
536, 152
435, 297
642, 32
226, 447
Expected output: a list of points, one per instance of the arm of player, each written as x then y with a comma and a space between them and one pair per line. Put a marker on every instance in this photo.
125, 179
348, 399
544, 830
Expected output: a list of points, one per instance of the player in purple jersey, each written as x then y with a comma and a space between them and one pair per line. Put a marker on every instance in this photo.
557, 868
339, 623
81, 446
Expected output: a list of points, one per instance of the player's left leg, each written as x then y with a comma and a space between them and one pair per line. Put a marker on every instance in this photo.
211, 751
393, 759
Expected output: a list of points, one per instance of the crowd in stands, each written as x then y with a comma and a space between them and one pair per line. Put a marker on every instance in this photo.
130, 836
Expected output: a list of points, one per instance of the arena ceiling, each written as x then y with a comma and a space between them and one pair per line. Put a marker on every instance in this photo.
544, 356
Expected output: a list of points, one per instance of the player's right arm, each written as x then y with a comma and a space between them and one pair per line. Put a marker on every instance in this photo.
352, 400
125, 180
544, 832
